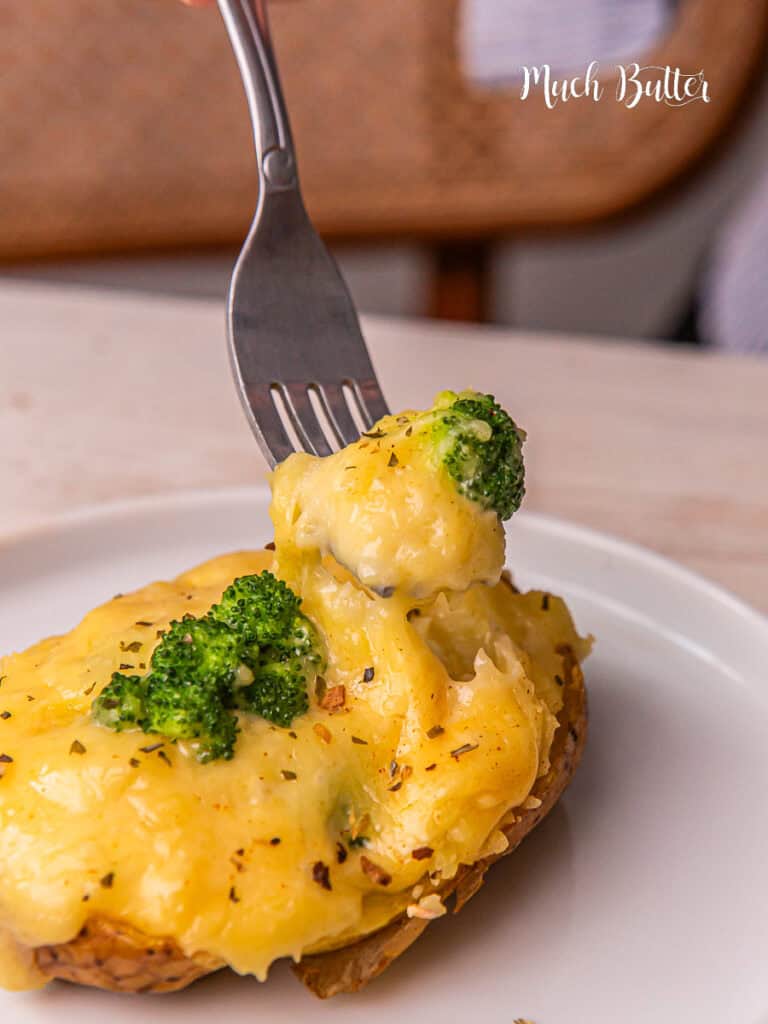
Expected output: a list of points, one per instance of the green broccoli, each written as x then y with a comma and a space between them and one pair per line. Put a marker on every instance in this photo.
481, 447
280, 646
254, 651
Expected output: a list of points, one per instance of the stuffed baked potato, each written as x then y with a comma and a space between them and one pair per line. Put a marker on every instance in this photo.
442, 721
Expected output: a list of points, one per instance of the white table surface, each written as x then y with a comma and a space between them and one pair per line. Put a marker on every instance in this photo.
105, 396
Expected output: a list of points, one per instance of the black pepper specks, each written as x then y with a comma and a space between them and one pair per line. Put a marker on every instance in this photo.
465, 748
322, 875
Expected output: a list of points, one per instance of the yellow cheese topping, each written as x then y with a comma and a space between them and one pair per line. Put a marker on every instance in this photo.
384, 511
435, 717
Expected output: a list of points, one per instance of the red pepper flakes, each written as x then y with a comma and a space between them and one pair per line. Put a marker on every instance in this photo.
376, 873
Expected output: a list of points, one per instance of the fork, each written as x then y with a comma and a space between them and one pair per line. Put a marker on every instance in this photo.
300, 363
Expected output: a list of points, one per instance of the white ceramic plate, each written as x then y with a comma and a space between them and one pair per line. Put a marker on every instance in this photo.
644, 896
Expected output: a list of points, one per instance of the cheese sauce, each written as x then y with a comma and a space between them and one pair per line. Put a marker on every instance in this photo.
382, 509
437, 716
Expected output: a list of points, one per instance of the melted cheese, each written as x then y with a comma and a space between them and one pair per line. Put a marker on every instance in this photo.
450, 704
382, 509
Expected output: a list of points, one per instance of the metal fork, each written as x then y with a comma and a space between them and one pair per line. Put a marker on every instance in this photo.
293, 330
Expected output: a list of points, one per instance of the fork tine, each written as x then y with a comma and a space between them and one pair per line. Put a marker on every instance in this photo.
370, 399
265, 422
336, 409
304, 418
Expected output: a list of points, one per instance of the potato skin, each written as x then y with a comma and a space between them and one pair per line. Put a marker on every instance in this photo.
111, 955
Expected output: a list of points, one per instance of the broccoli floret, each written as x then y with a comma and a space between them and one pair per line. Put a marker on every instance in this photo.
189, 686
260, 609
481, 447
120, 705
281, 646
254, 651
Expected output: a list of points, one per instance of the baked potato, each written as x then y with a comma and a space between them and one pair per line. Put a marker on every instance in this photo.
305, 752
113, 955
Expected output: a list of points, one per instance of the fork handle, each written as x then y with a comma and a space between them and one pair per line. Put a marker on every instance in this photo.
248, 28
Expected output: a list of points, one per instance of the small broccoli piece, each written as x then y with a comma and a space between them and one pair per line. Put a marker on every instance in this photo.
197, 649
282, 648
260, 609
480, 446
120, 705
189, 686
254, 651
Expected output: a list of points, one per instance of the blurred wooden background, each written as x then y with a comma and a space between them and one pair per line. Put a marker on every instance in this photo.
123, 127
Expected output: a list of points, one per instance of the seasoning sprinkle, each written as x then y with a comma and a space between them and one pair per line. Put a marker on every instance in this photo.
435, 731
288, 775
374, 434
398, 785
107, 880
393, 460
151, 748
392, 769
269, 546
292, 734
422, 853
368, 674
124, 666
134, 646
414, 613
77, 747
360, 742
30, 697
321, 874
341, 853
274, 841
334, 698
233, 897
5, 715
545, 602
374, 872
409, 431
465, 748
164, 757
134, 762
430, 767
320, 730
6, 759
320, 688
89, 691
142, 622
559, 680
